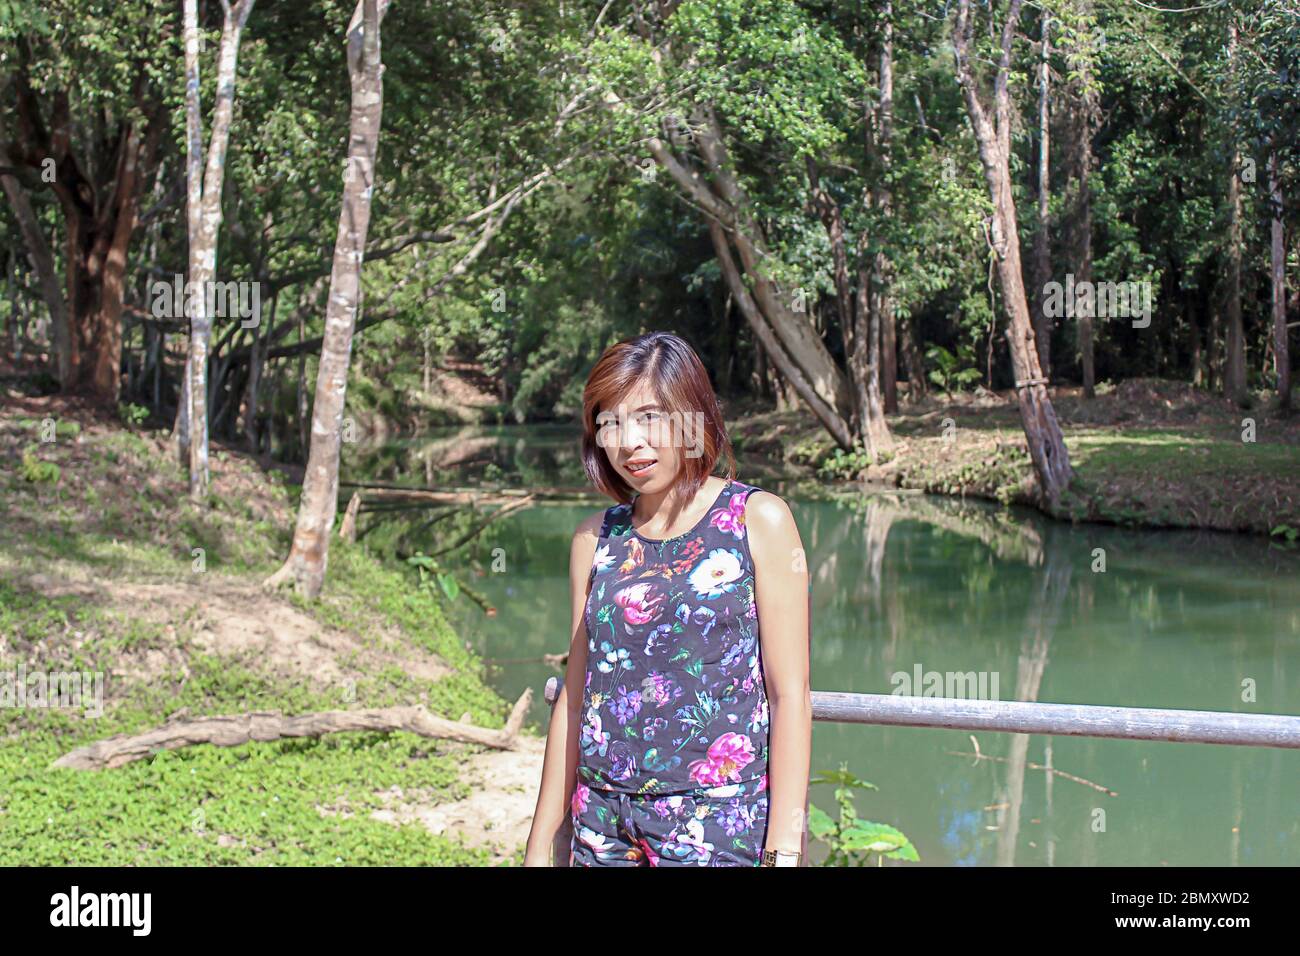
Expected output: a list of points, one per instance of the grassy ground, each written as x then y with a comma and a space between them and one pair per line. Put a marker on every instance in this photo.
105, 566
1151, 453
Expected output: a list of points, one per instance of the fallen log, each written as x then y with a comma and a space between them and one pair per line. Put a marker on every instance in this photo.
268, 725
470, 494
475, 531
381, 499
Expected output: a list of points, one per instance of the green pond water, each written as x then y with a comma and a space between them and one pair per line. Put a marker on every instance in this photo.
901, 583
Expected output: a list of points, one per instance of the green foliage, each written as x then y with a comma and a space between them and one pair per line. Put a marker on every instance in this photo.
37, 470
772, 70
132, 415
850, 839
841, 465
953, 372
22, 18
811, 450
1286, 535
480, 98
432, 575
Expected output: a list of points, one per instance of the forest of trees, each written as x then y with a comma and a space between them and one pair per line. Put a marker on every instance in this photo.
839, 203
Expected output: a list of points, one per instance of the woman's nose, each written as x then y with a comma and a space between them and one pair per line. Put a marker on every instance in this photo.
633, 435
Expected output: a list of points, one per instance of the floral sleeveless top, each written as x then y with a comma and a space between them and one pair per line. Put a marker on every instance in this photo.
674, 697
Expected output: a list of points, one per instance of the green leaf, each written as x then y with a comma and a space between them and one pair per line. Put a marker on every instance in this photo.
820, 824
422, 561
905, 852
873, 837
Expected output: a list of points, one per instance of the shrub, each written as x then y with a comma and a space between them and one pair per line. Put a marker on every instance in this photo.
36, 470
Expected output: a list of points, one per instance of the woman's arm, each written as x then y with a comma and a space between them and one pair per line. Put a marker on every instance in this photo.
781, 589
560, 765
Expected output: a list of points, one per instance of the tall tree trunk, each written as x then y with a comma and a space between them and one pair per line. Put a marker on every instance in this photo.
865, 357
99, 222
300, 396
191, 432
1277, 256
993, 136
883, 311
319, 504
865, 365
1214, 336
1234, 360
428, 369
204, 215
256, 364
42, 259
888, 351
186, 408
1195, 354
759, 372
16, 330
102, 334
1087, 360
828, 209
868, 416
181, 435
160, 349
1042, 237
1085, 118
912, 364
725, 349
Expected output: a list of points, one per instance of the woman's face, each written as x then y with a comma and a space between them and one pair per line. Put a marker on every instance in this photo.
643, 441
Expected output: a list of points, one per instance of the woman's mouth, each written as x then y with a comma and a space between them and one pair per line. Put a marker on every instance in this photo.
640, 467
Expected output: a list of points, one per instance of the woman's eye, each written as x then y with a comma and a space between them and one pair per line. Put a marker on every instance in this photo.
607, 433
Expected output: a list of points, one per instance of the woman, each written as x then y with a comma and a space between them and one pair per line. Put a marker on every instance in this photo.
682, 734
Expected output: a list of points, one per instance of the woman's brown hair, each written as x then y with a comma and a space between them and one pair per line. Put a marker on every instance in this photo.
680, 384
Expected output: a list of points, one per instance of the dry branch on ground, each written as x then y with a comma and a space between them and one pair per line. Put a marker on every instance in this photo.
231, 730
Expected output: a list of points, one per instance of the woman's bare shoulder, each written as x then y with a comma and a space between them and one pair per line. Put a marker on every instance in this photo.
767, 511
589, 526
583, 549
769, 526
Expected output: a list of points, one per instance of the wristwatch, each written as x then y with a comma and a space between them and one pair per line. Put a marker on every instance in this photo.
780, 858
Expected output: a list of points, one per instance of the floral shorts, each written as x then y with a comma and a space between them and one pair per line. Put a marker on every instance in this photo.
715, 826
